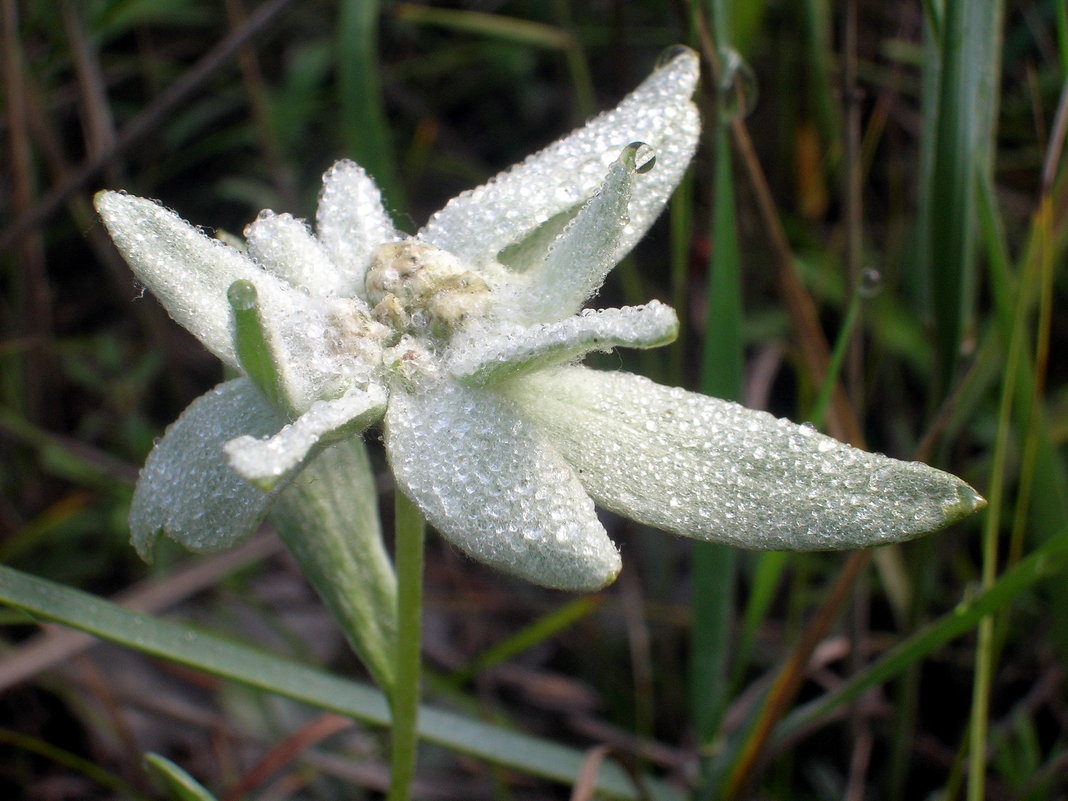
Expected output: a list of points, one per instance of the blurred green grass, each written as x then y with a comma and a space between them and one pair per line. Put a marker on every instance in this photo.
872, 146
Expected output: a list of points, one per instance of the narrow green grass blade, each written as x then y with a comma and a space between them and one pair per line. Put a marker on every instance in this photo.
845, 335
364, 130
722, 364
228, 659
496, 26
1049, 495
1044, 563
764, 583
818, 32
963, 127
721, 375
985, 641
680, 212
60, 756
1061, 10
180, 785
523, 32
527, 637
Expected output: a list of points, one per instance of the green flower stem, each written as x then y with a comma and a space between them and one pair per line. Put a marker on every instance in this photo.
409, 528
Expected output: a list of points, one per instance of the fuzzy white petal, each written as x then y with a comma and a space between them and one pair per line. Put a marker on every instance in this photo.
483, 357
187, 489
187, 271
283, 246
266, 462
715, 470
488, 481
478, 224
351, 222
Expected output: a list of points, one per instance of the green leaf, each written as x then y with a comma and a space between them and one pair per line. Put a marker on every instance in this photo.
328, 518
962, 124
360, 110
227, 659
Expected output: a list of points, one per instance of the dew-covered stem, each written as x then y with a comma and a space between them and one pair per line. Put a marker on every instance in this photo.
409, 529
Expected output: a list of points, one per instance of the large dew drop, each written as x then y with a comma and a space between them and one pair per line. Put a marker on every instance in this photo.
736, 87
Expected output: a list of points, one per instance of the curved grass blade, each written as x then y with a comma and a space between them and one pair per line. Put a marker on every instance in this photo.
225, 658
180, 785
1041, 564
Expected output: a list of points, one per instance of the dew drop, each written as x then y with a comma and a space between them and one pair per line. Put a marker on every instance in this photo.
669, 54
639, 157
737, 86
871, 284
242, 295
881, 480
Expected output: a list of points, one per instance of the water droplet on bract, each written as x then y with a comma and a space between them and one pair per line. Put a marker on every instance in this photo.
871, 284
737, 86
881, 480
638, 157
669, 54
242, 295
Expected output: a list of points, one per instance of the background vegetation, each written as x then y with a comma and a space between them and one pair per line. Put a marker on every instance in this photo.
880, 181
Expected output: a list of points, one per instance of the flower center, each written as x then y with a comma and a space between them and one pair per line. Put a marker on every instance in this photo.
418, 289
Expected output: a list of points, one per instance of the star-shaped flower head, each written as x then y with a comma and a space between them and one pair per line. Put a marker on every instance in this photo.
464, 341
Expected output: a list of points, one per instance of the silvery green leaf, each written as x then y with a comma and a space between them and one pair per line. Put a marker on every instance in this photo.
478, 224
486, 357
328, 518
488, 481
187, 489
188, 272
714, 470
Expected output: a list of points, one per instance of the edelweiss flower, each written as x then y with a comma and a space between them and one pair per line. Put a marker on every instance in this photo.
464, 341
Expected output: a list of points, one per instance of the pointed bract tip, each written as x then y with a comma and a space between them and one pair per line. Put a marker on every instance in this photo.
669, 54
964, 503
968, 501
